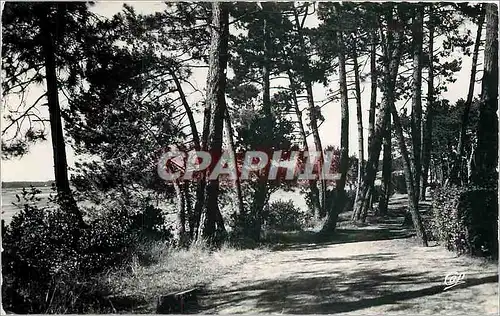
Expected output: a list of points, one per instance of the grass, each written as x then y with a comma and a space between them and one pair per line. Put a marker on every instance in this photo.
136, 287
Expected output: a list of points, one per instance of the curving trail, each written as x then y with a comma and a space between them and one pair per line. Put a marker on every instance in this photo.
386, 273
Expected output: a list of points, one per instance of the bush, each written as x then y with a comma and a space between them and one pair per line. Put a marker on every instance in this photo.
284, 216
47, 255
40, 249
398, 182
464, 219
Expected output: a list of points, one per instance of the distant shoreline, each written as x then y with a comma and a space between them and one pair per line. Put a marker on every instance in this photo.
26, 184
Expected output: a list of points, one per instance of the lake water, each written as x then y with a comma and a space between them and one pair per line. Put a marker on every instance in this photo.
8, 200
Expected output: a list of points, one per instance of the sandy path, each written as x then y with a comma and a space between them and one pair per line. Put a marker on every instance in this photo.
394, 276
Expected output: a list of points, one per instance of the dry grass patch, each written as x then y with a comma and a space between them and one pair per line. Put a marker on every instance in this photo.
173, 270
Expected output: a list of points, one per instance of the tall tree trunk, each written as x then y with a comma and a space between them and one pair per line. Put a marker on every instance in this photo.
56, 128
416, 114
344, 125
359, 115
392, 52
262, 191
216, 88
371, 127
486, 155
386, 171
339, 197
313, 112
201, 188
455, 176
373, 82
426, 129
202, 182
192, 218
313, 123
314, 194
412, 199
237, 183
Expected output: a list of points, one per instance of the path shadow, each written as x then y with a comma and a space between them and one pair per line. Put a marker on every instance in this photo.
377, 228
304, 240
341, 292
367, 257
364, 282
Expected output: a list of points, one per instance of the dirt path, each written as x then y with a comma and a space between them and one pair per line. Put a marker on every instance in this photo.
390, 276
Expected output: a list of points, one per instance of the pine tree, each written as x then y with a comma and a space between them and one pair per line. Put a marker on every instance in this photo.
216, 86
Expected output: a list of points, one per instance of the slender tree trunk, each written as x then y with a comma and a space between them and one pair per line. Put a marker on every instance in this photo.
192, 218
486, 155
313, 123
392, 55
373, 93
237, 183
427, 125
313, 114
455, 176
386, 171
187, 109
371, 128
359, 115
314, 194
189, 209
416, 115
262, 191
344, 125
470, 161
181, 212
298, 113
202, 182
412, 199
339, 198
216, 88
56, 128
361, 215
198, 207
181, 196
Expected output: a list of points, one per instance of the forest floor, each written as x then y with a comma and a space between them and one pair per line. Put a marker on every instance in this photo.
376, 269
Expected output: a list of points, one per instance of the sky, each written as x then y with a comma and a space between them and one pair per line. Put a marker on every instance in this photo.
37, 165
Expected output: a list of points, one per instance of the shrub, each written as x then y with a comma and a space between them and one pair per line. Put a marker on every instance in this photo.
464, 219
284, 216
243, 229
398, 182
46, 254
40, 249
118, 234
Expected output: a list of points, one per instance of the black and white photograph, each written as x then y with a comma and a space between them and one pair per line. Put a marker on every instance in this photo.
249, 157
